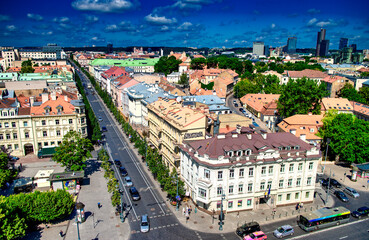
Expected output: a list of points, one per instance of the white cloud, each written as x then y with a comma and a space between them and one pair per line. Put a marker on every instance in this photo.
91, 19
323, 23
97, 39
35, 17
226, 40
4, 18
104, 6
186, 26
164, 28
313, 11
47, 33
260, 38
11, 28
273, 25
111, 28
155, 19
61, 19
124, 26
312, 21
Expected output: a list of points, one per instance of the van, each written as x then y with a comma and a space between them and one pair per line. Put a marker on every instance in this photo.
247, 228
145, 224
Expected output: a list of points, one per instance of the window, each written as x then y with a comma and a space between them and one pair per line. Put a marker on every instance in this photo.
82, 120
52, 143
70, 121
13, 124
39, 145
231, 173
269, 186
263, 170
8, 136
57, 122
291, 168
46, 144
251, 172
282, 169
308, 182
26, 134
300, 167
43, 122
249, 187
230, 189
57, 132
5, 114
311, 166
202, 193
240, 188
230, 204
219, 191
10, 147
44, 133
288, 196
271, 170
262, 185
249, 201
281, 183
59, 142
297, 195
239, 204
242, 172
279, 198
6, 124
0, 125
218, 204
16, 146
1, 136
206, 173
290, 182
298, 182
307, 194
220, 175
25, 124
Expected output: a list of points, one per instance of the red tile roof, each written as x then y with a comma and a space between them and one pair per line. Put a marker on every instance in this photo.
307, 73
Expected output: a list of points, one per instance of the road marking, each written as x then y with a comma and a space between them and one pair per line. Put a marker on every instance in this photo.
343, 237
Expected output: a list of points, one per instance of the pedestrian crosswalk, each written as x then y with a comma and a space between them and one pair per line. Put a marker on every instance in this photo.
154, 216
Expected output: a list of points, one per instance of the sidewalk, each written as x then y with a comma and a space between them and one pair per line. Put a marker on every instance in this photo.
338, 173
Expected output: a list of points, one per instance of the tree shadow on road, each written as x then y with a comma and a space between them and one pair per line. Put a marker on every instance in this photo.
92, 166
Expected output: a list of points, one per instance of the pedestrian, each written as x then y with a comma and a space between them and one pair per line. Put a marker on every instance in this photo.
184, 211
98, 205
301, 205
61, 233
187, 217
297, 206
189, 210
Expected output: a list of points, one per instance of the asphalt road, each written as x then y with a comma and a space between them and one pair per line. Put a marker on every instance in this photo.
166, 226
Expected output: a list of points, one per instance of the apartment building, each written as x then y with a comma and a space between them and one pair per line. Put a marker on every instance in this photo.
29, 123
251, 171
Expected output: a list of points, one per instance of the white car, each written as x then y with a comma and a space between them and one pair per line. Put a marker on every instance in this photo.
128, 181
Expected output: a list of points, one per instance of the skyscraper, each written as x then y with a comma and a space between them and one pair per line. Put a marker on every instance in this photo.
321, 41
354, 47
291, 44
109, 48
258, 48
343, 43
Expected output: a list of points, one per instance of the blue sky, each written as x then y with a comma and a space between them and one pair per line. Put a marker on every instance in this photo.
188, 23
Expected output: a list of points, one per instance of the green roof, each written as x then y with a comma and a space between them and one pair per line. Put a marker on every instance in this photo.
124, 63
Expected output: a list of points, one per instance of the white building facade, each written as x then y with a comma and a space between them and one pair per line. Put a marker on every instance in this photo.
253, 171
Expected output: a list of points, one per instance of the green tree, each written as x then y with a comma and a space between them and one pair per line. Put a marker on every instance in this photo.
364, 74
349, 137
301, 96
348, 91
27, 69
271, 84
212, 62
183, 79
6, 174
244, 87
73, 151
364, 93
198, 63
12, 225
167, 65
27, 63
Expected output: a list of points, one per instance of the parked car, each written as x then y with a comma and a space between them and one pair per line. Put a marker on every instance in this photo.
255, 124
104, 129
123, 171
100, 119
128, 181
247, 228
283, 231
234, 101
256, 236
236, 104
361, 212
117, 162
145, 224
351, 192
341, 196
335, 183
324, 182
14, 158
241, 109
134, 194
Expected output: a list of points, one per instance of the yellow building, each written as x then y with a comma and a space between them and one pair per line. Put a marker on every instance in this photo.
170, 124
28, 124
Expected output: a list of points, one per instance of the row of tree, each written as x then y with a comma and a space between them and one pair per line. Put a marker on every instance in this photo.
20, 212
6, 174
349, 92
167, 179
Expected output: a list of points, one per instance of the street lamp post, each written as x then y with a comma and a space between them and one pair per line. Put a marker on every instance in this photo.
221, 215
77, 228
177, 196
329, 182
326, 153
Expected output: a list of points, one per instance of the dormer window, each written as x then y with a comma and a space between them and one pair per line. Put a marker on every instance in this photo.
297, 147
230, 153
59, 109
248, 152
239, 153
47, 109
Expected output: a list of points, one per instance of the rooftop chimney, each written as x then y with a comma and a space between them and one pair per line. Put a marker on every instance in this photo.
45, 97
53, 96
249, 135
238, 129
263, 134
31, 100
293, 131
66, 98
303, 137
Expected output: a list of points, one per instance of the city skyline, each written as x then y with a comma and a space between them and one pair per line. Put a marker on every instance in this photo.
187, 23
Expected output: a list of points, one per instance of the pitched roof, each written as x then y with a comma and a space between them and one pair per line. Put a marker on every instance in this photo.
257, 101
360, 108
332, 79
303, 124
68, 108
306, 73
340, 104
